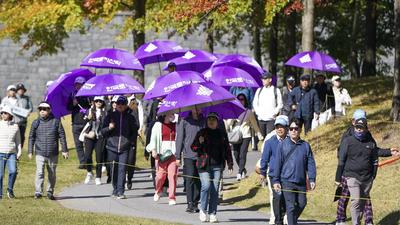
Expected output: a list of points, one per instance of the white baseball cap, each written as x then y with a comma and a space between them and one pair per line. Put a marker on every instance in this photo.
44, 105
334, 78
99, 98
11, 87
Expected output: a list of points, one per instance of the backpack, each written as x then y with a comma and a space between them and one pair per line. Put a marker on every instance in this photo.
275, 95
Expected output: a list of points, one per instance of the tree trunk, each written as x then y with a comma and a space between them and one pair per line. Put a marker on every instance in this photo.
258, 17
307, 26
290, 41
210, 37
354, 65
395, 113
273, 45
369, 65
139, 35
257, 45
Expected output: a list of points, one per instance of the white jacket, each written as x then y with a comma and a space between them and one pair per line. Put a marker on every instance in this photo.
342, 97
264, 104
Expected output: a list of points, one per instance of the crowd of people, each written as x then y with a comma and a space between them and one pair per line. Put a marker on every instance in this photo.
110, 126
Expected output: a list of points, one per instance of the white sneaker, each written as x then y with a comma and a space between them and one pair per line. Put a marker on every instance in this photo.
88, 178
97, 181
244, 175
285, 222
103, 169
156, 197
238, 177
202, 216
213, 218
172, 202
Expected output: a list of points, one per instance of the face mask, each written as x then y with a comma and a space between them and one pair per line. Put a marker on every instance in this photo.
360, 135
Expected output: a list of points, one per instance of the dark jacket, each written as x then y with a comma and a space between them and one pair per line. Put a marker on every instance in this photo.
77, 117
268, 157
122, 137
359, 159
216, 151
186, 131
307, 102
26, 103
44, 136
92, 121
299, 164
326, 96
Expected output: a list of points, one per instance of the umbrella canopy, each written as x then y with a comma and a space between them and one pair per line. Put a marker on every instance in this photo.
112, 58
158, 51
164, 84
228, 110
192, 96
243, 62
195, 60
229, 76
110, 84
59, 91
314, 60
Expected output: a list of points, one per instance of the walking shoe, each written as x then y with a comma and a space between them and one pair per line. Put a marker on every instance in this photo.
202, 216
38, 195
10, 194
88, 178
189, 208
82, 167
156, 197
244, 173
98, 181
213, 218
238, 177
171, 202
50, 196
195, 207
121, 196
108, 179
114, 193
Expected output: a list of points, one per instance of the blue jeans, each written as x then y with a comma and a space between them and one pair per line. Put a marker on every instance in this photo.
295, 201
209, 189
9, 160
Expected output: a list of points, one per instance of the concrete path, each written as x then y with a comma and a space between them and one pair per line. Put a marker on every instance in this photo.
139, 202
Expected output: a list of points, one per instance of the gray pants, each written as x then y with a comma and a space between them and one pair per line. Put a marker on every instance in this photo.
51, 165
358, 190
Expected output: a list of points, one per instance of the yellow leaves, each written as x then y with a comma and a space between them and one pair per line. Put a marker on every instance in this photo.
273, 7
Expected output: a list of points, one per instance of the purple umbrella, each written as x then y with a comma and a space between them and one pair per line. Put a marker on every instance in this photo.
243, 62
228, 110
164, 84
110, 84
195, 60
314, 60
229, 76
158, 51
192, 96
59, 92
112, 58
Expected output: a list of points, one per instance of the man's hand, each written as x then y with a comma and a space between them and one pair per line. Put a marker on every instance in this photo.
230, 170
312, 186
395, 152
178, 163
75, 102
111, 125
154, 154
19, 155
65, 155
201, 139
30, 155
277, 187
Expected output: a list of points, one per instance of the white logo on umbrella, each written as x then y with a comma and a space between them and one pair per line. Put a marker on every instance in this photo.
176, 48
203, 91
121, 87
169, 103
331, 66
238, 80
108, 60
305, 59
151, 47
188, 55
87, 86
208, 74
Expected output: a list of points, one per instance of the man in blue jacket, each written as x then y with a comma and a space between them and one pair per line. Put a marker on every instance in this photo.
293, 163
268, 161
305, 102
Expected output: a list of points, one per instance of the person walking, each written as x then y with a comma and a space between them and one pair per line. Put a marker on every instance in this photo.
246, 121
10, 150
162, 148
78, 106
213, 153
286, 90
358, 164
267, 104
342, 97
305, 103
186, 132
93, 139
120, 130
46, 131
268, 163
294, 166
25, 103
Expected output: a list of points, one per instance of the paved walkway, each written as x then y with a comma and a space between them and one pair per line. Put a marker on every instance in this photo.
139, 202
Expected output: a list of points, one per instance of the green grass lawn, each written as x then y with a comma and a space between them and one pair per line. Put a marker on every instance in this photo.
26, 210
373, 95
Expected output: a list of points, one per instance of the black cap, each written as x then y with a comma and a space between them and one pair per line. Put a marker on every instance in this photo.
171, 64
21, 86
266, 75
213, 115
361, 123
122, 100
290, 79
305, 77
320, 75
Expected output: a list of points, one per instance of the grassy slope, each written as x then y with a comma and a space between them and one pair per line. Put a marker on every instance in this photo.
26, 210
373, 95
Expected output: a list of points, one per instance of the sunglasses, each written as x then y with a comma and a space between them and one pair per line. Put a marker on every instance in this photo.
294, 128
43, 109
13, 89
4, 113
98, 101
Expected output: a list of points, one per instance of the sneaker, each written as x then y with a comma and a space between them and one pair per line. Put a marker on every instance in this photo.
114, 193
172, 202
202, 216
244, 173
82, 167
88, 178
108, 179
38, 195
50, 196
156, 197
195, 208
189, 208
213, 218
10, 194
238, 177
121, 196
98, 181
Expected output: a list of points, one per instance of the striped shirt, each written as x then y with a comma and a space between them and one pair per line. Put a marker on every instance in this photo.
10, 139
